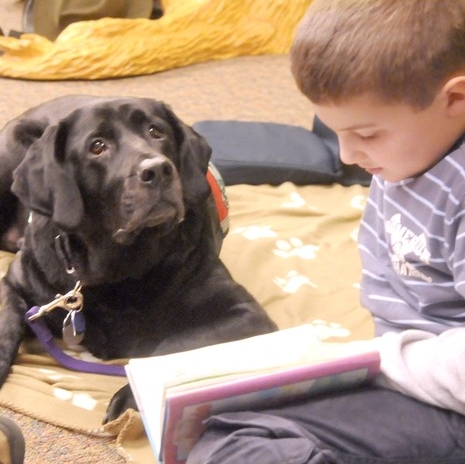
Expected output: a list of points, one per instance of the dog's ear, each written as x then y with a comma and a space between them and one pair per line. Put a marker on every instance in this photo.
194, 156
45, 183
27, 131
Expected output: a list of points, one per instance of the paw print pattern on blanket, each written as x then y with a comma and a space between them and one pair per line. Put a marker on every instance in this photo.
295, 247
293, 282
301, 242
327, 330
358, 202
82, 400
255, 232
297, 201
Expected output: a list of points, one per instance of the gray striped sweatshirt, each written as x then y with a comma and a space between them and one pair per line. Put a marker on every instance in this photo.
412, 246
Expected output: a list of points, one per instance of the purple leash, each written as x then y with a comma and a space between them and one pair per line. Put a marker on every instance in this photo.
46, 338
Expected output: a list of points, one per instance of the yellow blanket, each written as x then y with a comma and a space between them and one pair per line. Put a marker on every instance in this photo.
293, 247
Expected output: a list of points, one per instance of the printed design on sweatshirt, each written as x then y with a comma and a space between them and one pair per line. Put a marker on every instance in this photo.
403, 242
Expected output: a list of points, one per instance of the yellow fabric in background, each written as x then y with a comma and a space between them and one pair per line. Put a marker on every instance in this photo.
191, 31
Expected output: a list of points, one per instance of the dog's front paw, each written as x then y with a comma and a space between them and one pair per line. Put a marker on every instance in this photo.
123, 399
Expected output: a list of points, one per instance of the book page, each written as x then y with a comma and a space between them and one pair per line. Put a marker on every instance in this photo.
260, 353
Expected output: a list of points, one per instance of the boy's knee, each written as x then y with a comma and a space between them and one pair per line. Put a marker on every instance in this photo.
251, 438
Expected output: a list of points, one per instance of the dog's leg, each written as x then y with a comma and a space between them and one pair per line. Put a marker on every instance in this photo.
12, 327
123, 399
13, 217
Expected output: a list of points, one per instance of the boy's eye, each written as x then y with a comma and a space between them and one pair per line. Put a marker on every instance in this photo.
367, 136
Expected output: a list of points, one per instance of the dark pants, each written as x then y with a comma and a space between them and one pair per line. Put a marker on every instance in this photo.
363, 426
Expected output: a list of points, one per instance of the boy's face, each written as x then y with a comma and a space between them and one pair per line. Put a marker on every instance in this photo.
394, 141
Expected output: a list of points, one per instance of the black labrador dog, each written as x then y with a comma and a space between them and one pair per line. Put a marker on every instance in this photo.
118, 199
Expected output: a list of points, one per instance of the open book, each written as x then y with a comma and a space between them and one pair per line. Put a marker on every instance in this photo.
175, 393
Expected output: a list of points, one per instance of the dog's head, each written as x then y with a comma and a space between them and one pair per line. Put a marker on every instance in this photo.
127, 162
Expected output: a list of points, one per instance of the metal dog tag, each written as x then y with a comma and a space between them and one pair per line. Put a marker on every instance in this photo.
74, 327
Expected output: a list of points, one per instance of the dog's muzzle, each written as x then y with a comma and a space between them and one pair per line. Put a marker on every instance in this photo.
155, 171
151, 198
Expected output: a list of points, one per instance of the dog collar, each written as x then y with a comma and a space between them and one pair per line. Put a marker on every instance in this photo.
219, 194
63, 250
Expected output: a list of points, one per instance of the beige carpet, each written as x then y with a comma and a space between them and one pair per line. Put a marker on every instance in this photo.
246, 88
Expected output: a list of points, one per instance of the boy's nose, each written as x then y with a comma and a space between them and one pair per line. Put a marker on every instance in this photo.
349, 153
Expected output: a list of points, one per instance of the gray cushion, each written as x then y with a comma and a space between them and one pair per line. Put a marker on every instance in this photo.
269, 153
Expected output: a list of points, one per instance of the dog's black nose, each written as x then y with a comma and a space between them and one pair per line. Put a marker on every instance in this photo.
155, 170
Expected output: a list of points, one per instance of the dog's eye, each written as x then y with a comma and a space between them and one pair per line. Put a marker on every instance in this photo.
97, 147
155, 132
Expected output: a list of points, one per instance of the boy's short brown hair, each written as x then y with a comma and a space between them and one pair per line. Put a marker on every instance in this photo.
400, 50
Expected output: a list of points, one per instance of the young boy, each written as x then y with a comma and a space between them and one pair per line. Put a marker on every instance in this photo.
388, 76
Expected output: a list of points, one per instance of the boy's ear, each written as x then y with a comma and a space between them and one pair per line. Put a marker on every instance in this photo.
454, 90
